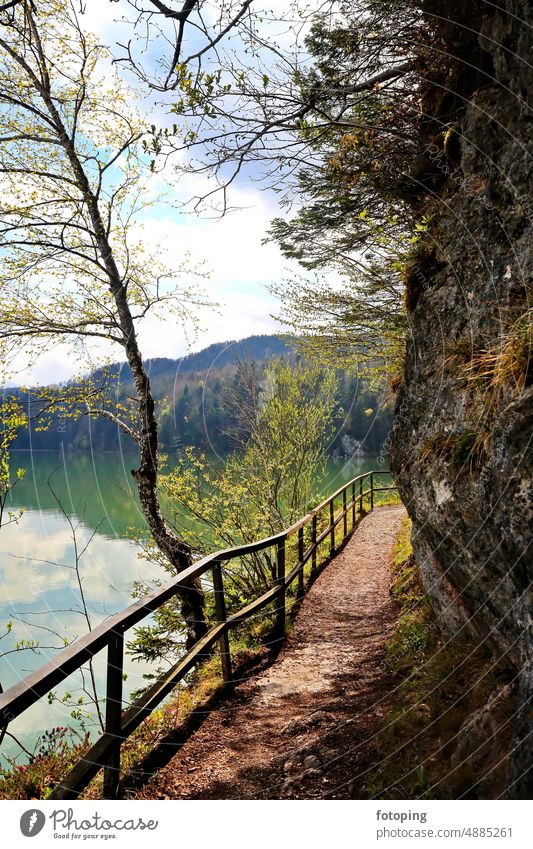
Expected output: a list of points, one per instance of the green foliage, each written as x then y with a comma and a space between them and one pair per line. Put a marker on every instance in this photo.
463, 446
55, 753
285, 415
416, 632
161, 640
353, 216
439, 685
192, 403
12, 420
360, 323
402, 551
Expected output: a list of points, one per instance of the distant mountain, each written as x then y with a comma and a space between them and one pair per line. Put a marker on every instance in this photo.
215, 356
220, 354
193, 394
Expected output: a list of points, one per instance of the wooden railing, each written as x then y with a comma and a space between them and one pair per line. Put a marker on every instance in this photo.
119, 724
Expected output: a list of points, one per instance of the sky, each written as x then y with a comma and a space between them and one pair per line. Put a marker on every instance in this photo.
240, 266
240, 270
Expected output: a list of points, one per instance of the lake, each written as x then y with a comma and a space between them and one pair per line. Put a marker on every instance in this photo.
40, 592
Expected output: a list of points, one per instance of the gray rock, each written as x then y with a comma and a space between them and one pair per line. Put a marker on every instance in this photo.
480, 733
302, 725
472, 520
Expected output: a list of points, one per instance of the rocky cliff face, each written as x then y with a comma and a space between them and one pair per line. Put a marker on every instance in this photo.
461, 446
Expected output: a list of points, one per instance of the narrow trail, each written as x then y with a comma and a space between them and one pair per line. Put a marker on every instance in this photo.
304, 727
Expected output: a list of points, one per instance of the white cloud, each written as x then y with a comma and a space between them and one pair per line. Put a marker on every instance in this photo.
43, 544
241, 269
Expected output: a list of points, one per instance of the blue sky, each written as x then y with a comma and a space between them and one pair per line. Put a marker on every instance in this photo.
240, 267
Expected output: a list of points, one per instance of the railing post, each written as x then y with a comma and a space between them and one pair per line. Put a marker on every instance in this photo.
353, 504
313, 543
300, 560
332, 526
279, 629
113, 712
220, 613
371, 490
361, 486
3, 728
345, 521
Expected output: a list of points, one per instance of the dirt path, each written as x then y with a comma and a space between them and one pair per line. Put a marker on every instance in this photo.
303, 728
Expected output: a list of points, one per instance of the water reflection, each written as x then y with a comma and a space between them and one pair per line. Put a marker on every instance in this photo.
40, 598
96, 488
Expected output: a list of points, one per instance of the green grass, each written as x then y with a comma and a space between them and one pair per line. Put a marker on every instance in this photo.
466, 450
438, 686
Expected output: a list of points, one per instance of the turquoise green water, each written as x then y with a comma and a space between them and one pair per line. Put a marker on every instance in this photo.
40, 591
99, 489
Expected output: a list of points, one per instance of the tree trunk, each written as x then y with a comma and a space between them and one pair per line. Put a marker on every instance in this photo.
178, 553
175, 549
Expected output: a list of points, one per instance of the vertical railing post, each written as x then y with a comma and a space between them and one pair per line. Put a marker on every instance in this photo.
371, 490
300, 560
220, 613
345, 521
332, 526
313, 543
280, 600
353, 504
113, 712
361, 486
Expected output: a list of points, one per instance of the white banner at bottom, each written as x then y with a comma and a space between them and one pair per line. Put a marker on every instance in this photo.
268, 824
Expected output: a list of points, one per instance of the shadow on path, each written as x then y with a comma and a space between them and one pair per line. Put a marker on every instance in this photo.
303, 727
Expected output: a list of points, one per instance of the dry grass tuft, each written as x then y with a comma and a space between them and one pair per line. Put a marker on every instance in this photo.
508, 363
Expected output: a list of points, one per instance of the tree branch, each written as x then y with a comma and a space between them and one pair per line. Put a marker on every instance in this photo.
107, 414
382, 77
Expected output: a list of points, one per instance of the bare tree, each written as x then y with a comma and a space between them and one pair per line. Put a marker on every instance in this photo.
187, 32
267, 91
73, 176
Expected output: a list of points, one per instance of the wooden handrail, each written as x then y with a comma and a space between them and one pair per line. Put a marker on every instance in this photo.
105, 753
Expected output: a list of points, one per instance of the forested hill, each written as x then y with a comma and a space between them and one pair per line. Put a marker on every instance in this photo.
193, 395
214, 357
